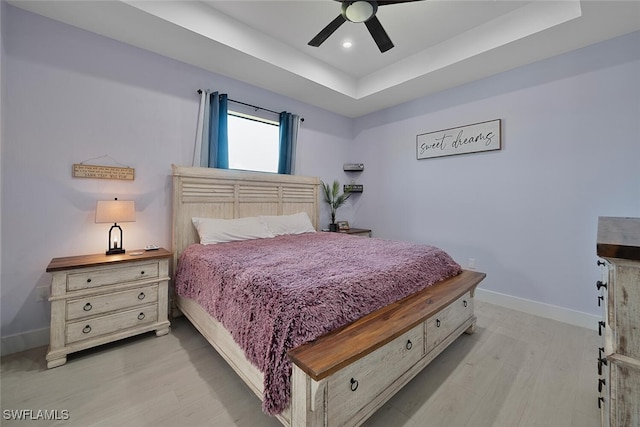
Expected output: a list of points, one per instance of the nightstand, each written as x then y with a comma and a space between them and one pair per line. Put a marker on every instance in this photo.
357, 232
96, 299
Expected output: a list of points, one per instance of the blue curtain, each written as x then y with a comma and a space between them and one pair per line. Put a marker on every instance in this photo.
288, 141
218, 138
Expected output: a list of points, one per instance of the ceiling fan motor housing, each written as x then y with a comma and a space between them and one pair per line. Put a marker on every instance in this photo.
359, 11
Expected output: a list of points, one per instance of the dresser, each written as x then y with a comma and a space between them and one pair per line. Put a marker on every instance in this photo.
96, 299
618, 244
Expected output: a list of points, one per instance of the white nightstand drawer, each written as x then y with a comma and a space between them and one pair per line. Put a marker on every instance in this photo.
82, 330
86, 279
94, 305
448, 320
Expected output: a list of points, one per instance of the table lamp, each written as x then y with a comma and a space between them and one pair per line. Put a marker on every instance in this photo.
115, 211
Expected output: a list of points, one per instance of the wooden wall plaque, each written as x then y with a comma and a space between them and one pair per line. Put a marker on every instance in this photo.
103, 172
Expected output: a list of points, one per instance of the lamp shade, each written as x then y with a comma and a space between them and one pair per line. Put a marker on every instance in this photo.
114, 211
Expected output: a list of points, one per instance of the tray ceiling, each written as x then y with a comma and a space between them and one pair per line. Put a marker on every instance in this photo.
438, 43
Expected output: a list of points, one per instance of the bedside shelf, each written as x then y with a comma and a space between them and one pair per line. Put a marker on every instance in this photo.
354, 188
353, 167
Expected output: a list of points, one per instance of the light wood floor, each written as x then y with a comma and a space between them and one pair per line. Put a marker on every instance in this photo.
516, 370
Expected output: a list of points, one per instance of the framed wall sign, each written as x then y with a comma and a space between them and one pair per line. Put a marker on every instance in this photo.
484, 136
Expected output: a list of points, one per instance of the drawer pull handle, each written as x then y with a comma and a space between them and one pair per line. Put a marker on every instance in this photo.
600, 351
141, 296
601, 284
409, 345
464, 303
354, 384
601, 384
87, 307
600, 300
601, 325
437, 323
89, 280
601, 263
140, 316
600, 402
86, 329
601, 361
142, 273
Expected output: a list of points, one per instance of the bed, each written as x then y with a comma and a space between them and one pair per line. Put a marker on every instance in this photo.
343, 376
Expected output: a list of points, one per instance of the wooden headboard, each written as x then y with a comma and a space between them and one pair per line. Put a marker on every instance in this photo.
227, 194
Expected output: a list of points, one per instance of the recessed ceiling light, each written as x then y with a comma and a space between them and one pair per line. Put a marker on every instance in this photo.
347, 44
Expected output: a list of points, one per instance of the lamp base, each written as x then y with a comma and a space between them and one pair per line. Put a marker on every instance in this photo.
115, 251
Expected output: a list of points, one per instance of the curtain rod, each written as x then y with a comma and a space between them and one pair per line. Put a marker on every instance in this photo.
252, 106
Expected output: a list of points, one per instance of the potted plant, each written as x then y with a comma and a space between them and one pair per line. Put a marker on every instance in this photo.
335, 200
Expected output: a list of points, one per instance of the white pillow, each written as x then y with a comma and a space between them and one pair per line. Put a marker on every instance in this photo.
213, 230
289, 224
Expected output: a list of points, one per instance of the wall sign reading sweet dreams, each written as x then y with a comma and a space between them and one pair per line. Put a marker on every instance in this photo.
474, 138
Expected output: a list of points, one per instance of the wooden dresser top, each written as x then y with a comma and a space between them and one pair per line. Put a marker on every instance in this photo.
618, 238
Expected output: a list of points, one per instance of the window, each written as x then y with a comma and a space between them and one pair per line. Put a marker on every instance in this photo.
253, 142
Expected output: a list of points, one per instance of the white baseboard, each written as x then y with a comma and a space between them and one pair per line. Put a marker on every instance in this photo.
25, 341
553, 312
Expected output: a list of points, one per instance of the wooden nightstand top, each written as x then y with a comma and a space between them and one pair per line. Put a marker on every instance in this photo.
81, 261
355, 231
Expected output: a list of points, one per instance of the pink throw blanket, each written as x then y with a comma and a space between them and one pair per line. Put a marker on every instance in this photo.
275, 294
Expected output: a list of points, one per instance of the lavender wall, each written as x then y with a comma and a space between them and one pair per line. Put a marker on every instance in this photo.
527, 214
72, 95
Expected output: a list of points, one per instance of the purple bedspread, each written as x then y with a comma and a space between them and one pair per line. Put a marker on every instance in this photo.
275, 294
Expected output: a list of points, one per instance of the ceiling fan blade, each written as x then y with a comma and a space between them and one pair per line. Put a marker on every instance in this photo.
327, 31
379, 34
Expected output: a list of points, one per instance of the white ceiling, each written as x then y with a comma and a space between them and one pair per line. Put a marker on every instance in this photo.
438, 43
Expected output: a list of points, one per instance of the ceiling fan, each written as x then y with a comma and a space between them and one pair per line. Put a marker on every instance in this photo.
360, 11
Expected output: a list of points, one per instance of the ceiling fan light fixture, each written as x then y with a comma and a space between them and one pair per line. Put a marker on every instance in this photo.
359, 11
